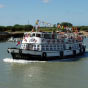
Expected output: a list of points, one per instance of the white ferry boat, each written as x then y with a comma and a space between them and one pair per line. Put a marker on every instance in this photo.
44, 46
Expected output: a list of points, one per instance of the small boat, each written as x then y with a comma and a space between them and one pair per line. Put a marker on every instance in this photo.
44, 46
14, 39
11, 39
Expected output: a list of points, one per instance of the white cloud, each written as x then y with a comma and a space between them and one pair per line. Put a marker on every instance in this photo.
2, 6
46, 1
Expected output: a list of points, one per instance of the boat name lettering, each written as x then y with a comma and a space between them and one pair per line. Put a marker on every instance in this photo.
32, 40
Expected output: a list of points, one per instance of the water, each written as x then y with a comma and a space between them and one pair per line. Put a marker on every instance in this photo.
28, 74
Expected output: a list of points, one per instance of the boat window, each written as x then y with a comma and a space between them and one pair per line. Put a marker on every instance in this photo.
38, 45
42, 45
34, 45
33, 35
50, 45
55, 48
57, 45
47, 36
38, 35
43, 48
42, 35
54, 45
54, 36
51, 48
58, 48
47, 46
30, 46
26, 35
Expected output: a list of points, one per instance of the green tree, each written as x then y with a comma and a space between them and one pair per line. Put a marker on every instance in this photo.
66, 24
28, 27
9, 28
2, 28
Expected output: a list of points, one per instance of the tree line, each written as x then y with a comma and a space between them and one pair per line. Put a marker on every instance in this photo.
18, 27
15, 28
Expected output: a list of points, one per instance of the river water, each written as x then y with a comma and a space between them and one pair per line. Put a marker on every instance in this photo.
51, 74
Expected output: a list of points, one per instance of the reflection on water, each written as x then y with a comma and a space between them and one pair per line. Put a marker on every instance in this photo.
52, 74
48, 74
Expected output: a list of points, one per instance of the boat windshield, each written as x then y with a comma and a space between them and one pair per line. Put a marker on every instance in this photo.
36, 35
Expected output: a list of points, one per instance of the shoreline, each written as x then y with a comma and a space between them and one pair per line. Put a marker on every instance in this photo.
6, 35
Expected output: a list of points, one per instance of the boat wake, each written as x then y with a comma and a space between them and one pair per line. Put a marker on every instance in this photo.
10, 60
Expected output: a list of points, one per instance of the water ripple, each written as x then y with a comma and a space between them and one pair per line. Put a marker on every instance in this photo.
10, 60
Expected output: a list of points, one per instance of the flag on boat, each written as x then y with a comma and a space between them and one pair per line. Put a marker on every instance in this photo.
37, 22
18, 43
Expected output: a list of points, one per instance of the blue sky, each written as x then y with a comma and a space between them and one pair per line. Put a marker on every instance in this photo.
52, 11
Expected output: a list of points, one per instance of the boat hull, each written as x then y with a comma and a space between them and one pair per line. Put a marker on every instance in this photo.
43, 56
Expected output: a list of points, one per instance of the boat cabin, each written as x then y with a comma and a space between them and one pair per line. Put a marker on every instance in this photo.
47, 41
